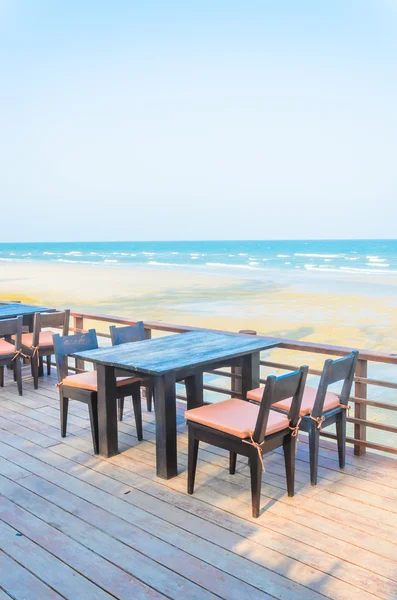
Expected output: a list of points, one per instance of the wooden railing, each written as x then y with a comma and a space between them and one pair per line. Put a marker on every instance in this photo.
359, 400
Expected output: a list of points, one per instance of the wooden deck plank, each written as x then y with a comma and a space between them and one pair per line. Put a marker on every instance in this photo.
107, 545
47, 567
17, 582
344, 587
157, 526
336, 540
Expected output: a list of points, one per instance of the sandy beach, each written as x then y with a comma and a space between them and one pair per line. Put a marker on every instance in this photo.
315, 310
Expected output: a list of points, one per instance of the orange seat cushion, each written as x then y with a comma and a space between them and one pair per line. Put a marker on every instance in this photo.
309, 395
88, 381
45, 339
235, 417
6, 348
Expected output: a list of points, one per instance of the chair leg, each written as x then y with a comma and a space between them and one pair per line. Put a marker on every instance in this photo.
314, 445
35, 371
93, 411
41, 367
289, 447
18, 374
341, 437
120, 405
1, 376
256, 484
193, 446
64, 405
14, 374
232, 462
49, 364
136, 401
149, 393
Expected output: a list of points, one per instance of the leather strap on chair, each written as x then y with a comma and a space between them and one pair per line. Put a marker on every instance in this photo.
19, 353
258, 448
319, 421
35, 350
295, 430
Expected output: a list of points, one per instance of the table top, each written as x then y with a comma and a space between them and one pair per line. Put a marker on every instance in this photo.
175, 352
9, 311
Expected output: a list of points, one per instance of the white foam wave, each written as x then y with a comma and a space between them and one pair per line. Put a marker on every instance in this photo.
162, 264
73, 253
283, 255
371, 264
211, 264
376, 259
319, 255
110, 261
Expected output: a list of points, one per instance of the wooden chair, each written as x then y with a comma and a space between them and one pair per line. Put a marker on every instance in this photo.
11, 350
321, 408
83, 386
124, 335
251, 430
38, 344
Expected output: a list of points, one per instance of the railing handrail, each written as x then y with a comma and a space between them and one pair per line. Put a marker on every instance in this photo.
361, 381
328, 349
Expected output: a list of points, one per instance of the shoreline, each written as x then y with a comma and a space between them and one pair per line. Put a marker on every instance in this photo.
348, 313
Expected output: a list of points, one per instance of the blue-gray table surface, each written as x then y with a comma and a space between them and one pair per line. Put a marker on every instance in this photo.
9, 311
174, 352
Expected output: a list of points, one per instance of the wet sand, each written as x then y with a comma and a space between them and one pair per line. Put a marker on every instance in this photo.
314, 310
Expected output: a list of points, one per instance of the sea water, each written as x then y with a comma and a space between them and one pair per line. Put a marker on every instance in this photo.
354, 257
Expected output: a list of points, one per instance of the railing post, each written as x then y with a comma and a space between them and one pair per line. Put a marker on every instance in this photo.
360, 410
236, 382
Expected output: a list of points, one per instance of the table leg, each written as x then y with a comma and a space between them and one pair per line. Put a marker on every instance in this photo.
107, 411
164, 391
250, 373
194, 390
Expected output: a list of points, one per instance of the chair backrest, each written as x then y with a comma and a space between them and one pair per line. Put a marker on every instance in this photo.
58, 319
10, 327
341, 369
277, 389
65, 345
130, 333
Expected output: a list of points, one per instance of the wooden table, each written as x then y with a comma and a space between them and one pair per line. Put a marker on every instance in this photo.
179, 357
12, 310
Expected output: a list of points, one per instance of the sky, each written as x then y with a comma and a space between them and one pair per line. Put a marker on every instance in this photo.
209, 119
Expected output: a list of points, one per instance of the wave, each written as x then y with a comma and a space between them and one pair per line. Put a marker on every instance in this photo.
162, 264
73, 253
320, 255
376, 259
108, 260
48, 253
284, 255
77, 262
377, 264
211, 264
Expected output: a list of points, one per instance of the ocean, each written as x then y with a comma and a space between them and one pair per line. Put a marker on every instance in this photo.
374, 257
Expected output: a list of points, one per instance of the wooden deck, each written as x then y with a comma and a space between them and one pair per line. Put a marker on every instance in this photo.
76, 526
